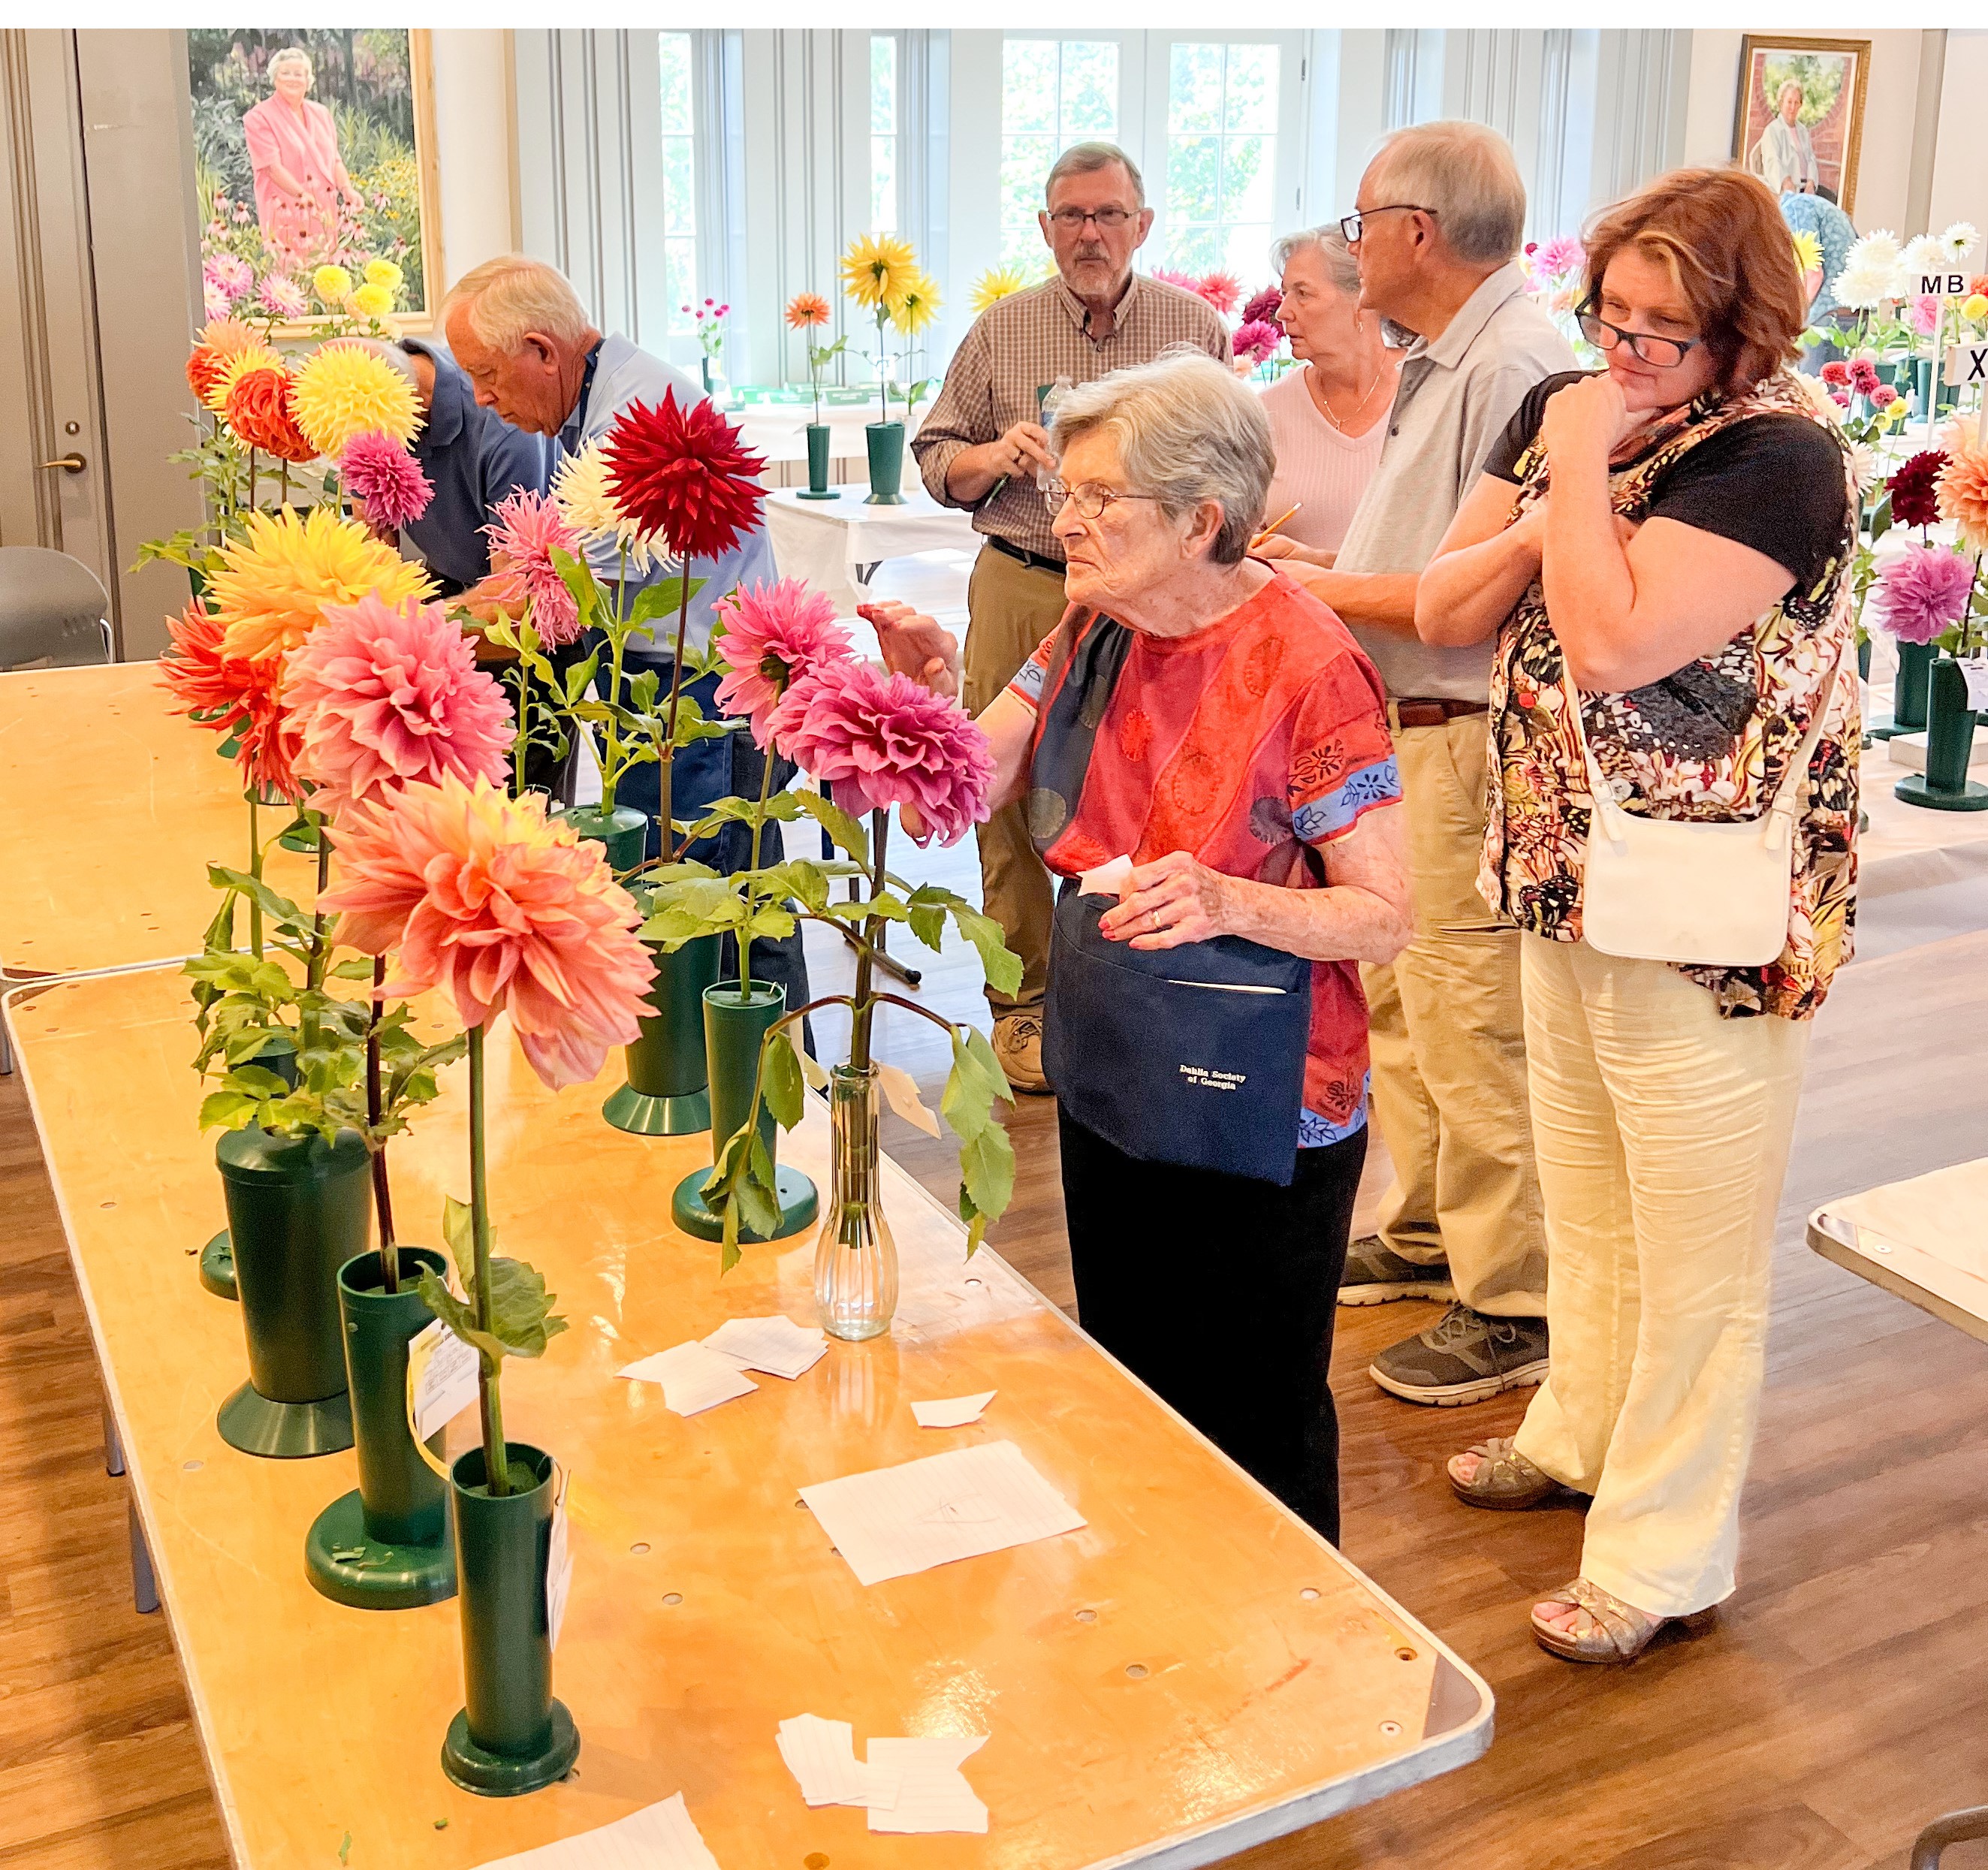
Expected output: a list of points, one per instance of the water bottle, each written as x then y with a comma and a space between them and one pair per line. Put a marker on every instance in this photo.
1052, 397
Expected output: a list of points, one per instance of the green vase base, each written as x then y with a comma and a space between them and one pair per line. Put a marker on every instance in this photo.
348, 1567
285, 1431
641, 1115
884, 500
476, 1768
826, 493
1913, 789
217, 1267
1886, 729
800, 1204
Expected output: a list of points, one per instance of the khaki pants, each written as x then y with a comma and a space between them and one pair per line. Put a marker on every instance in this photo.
1448, 1046
1663, 1135
1010, 608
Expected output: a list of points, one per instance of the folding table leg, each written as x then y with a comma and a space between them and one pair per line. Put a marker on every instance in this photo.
144, 1587
1955, 1828
113, 1450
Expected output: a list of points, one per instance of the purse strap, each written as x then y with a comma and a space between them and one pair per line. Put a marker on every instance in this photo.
1793, 777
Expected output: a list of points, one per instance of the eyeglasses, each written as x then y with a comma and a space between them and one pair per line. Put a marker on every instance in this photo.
1090, 498
1109, 220
1350, 225
1663, 352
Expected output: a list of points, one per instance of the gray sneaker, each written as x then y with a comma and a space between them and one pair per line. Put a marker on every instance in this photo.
1374, 1274
1464, 1357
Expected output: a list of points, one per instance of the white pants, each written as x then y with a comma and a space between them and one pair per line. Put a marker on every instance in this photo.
1662, 1132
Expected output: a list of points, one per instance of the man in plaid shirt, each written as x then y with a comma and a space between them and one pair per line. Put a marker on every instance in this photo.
985, 447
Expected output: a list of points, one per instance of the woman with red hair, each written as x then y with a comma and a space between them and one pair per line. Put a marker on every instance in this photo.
1660, 549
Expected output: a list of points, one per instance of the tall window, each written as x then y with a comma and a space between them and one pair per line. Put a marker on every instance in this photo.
1222, 149
883, 132
679, 178
1053, 92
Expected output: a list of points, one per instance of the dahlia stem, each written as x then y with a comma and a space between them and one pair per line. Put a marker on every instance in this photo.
255, 871
665, 803
611, 761
383, 1197
496, 1465
759, 826
314, 968
883, 375
251, 480
521, 746
865, 1006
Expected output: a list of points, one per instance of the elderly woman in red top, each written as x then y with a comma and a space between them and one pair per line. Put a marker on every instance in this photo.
1200, 716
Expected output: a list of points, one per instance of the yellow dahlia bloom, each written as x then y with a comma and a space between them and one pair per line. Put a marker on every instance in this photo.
385, 274
344, 390
332, 284
371, 301
996, 284
587, 503
277, 581
917, 306
237, 365
877, 268
1975, 305
1808, 251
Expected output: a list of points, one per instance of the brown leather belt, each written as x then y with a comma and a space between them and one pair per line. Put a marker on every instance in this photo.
1036, 561
1435, 713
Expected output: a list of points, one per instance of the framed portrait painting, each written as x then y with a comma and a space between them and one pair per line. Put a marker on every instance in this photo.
314, 163
1799, 119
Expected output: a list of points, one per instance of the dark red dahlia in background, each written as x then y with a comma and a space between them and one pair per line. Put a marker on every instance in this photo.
1263, 306
1913, 502
684, 473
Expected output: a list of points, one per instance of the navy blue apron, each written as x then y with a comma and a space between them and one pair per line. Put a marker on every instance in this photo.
1194, 1055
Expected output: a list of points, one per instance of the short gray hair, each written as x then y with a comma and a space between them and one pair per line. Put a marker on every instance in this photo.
1087, 159
1465, 175
1187, 430
1335, 255
290, 55
515, 294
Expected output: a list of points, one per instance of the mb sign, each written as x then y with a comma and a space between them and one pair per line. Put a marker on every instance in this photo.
1966, 364
1943, 284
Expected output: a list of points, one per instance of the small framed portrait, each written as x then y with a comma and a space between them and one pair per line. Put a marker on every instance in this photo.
314, 161
1799, 119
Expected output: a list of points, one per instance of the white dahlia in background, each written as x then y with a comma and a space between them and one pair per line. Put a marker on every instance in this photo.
587, 504
1960, 240
1865, 286
1925, 255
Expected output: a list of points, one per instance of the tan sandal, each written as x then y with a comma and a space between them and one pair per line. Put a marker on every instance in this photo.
1505, 1481
1615, 1632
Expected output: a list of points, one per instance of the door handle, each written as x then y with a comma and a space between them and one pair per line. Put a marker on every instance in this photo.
71, 463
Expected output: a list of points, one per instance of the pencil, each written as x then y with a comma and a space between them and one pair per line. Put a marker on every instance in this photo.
1279, 520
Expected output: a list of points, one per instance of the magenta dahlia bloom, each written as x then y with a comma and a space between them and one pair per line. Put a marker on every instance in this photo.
775, 634
385, 480
882, 740
529, 529
1923, 592
386, 696
1257, 340
1263, 307
1864, 378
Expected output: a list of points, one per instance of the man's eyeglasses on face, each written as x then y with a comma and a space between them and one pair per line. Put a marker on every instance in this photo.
1089, 497
1109, 220
1350, 225
1662, 352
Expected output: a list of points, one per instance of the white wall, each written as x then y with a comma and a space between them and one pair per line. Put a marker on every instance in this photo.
476, 150
1960, 157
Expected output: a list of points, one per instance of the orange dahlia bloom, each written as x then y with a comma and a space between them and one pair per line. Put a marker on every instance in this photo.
1961, 489
806, 309
259, 411
505, 910
235, 695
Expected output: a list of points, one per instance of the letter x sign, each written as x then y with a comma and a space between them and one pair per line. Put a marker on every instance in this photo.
1966, 366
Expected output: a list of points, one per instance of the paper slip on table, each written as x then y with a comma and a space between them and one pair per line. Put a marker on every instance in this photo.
837, 544
114, 808
1193, 1673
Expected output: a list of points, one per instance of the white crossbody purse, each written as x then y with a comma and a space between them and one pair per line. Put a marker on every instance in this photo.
1704, 895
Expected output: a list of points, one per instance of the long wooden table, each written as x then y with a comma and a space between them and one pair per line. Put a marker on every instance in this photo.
111, 809
1193, 1673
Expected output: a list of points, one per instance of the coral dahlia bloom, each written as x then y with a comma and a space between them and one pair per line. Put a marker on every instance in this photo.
386, 480
806, 309
259, 411
1922, 592
505, 910
774, 635
343, 389
232, 695
385, 695
1223, 290
882, 740
276, 584
1961, 490
686, 474
529, 528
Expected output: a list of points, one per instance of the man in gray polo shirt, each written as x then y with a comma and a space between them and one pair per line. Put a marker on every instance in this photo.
1441, 211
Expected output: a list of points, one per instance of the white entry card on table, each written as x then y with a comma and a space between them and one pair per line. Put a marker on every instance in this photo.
442, 1378
694, 1376
951, 1411
660, 1837
776, 1345
894, 1521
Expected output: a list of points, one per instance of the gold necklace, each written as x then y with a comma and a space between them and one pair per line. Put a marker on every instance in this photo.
1325, 405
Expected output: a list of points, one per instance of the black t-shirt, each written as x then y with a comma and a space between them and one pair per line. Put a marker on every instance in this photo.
1773, 483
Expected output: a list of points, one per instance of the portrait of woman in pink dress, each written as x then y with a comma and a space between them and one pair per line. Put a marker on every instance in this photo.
300, 178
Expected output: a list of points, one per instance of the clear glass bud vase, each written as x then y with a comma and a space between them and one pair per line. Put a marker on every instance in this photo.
855, 1259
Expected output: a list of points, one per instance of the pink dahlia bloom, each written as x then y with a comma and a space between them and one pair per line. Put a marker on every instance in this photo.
282, 297
882, 740
529, 529
505, 910
1923, 592
1864, 378
385, 480
1173, 276
775, 634
1555, 259
1925, 314
388, 696
1257, 340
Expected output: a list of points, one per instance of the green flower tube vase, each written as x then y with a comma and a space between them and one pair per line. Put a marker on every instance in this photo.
885, 441
818, 489
510, 1737
217, 1258
734, 1023
665, 1094
1909, 692
623, 830
386, 1545
1945, 786
298, 1208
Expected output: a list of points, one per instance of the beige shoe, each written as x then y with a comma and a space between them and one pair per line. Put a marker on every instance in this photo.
1606, 1629
1018, 1044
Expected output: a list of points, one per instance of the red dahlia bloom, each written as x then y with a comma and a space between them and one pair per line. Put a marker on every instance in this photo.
233, 694
686, 474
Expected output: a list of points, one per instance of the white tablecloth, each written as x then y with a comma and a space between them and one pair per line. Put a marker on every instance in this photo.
834, 544
779, 431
